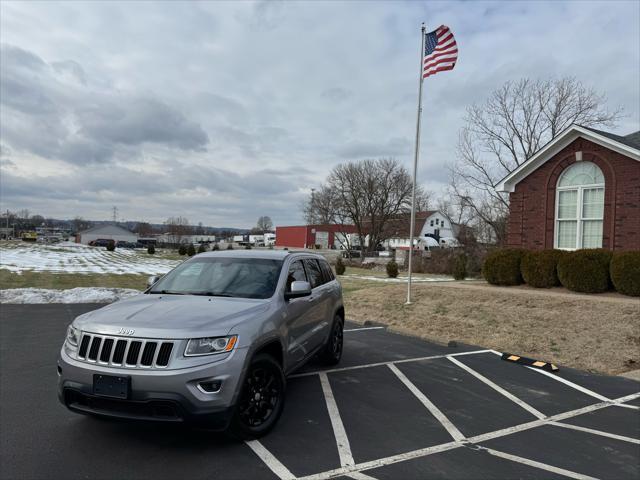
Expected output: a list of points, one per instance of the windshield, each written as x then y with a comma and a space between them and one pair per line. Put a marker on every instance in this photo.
222, 276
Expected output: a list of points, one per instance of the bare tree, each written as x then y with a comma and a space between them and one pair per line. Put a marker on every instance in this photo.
264, 224
509, 128
365, 194
177, 228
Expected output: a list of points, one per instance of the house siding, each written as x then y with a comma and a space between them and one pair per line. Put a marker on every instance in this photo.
531, 222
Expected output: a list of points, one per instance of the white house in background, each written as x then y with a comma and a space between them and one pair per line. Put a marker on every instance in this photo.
431, 229
107, 232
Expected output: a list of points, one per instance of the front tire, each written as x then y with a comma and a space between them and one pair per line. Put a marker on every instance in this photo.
261, 399
332, 352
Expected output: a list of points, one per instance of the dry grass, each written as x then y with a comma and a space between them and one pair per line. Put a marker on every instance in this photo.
60, 281
590, 332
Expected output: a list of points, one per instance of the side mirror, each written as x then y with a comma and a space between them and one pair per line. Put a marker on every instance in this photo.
153, 279
298, 289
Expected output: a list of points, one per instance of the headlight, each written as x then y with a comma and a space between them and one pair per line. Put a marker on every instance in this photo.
72, 336
210, 345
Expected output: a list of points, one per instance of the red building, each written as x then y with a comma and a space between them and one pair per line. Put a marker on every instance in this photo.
307, 236
581, 190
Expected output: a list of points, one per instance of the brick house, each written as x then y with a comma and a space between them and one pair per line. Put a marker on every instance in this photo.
581, 190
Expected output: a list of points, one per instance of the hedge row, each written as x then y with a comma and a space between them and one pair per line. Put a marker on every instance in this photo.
589, 271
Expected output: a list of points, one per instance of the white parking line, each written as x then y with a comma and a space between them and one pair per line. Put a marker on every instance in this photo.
381, 462
586, 391
571, 384
363, 328
342, 441
378, 364
359, 476
270, 460
596, 432
533, 463
498, 389
435, 411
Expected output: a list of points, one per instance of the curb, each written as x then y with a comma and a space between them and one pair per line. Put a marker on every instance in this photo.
530, 362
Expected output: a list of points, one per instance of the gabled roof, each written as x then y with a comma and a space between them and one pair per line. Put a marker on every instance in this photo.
107, 230
399, 226
628, 145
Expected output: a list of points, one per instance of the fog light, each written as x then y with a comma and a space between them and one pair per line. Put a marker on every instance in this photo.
212, 386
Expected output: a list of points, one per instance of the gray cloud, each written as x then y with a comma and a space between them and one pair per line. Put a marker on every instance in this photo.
77, 124
391, 148
225, 111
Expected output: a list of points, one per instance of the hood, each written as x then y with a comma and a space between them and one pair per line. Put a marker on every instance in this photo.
171, 316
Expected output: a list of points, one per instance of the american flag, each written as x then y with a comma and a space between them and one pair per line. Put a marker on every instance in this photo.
440, 51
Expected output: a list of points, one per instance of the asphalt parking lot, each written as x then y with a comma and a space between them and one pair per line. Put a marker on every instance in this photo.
395, 408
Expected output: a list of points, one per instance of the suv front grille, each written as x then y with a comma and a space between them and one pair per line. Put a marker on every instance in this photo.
120, 352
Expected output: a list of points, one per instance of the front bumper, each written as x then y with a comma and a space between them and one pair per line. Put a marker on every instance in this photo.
159, 395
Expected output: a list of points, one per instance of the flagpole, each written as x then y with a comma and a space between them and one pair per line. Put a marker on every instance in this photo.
415, 168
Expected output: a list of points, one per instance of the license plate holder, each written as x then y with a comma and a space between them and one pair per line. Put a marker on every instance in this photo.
112, 386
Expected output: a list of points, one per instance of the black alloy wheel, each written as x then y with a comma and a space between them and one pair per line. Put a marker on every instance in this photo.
261, 399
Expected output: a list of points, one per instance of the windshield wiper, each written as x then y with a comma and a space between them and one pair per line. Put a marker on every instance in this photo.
212, 294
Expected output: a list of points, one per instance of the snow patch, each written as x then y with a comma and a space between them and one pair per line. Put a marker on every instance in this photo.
73, 295
76, 258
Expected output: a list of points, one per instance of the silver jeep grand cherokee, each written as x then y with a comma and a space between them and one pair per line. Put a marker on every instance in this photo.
212, 342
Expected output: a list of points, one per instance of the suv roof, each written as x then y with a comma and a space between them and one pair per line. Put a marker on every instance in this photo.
269, 254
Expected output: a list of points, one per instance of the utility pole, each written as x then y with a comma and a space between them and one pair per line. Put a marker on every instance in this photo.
115, 214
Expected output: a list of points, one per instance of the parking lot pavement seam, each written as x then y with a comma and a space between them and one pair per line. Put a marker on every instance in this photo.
435, 411
379, 364
498, 388
596, 432
270, 460
339, 432
535, 464
470, 441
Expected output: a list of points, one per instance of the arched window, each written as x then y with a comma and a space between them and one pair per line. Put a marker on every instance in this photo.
580, 207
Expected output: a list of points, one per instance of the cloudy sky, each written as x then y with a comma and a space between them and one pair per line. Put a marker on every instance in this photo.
222, 112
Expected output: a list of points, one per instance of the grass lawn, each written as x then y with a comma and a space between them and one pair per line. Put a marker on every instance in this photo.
59, 281
590, 332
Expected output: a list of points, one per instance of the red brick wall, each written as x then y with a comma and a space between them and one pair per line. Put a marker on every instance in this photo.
532, 204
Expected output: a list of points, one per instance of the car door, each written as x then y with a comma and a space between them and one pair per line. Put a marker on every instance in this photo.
298, 316
320, 303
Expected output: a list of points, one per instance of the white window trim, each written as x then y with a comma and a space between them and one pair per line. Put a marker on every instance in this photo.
579, 218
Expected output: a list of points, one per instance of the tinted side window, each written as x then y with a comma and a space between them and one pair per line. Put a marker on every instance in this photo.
315, 274
296, 274
326, 270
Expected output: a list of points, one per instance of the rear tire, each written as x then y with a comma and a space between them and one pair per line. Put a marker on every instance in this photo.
332, 352
261, 399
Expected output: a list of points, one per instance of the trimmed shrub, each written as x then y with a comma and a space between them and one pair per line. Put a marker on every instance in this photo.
585, 270
111, 246
247, 247
202, 248
460, 267
392, 269
215, 247
182, 249
539, 268
502, 267
191, 250
625, 272
340, 268
230, 246
151, 249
